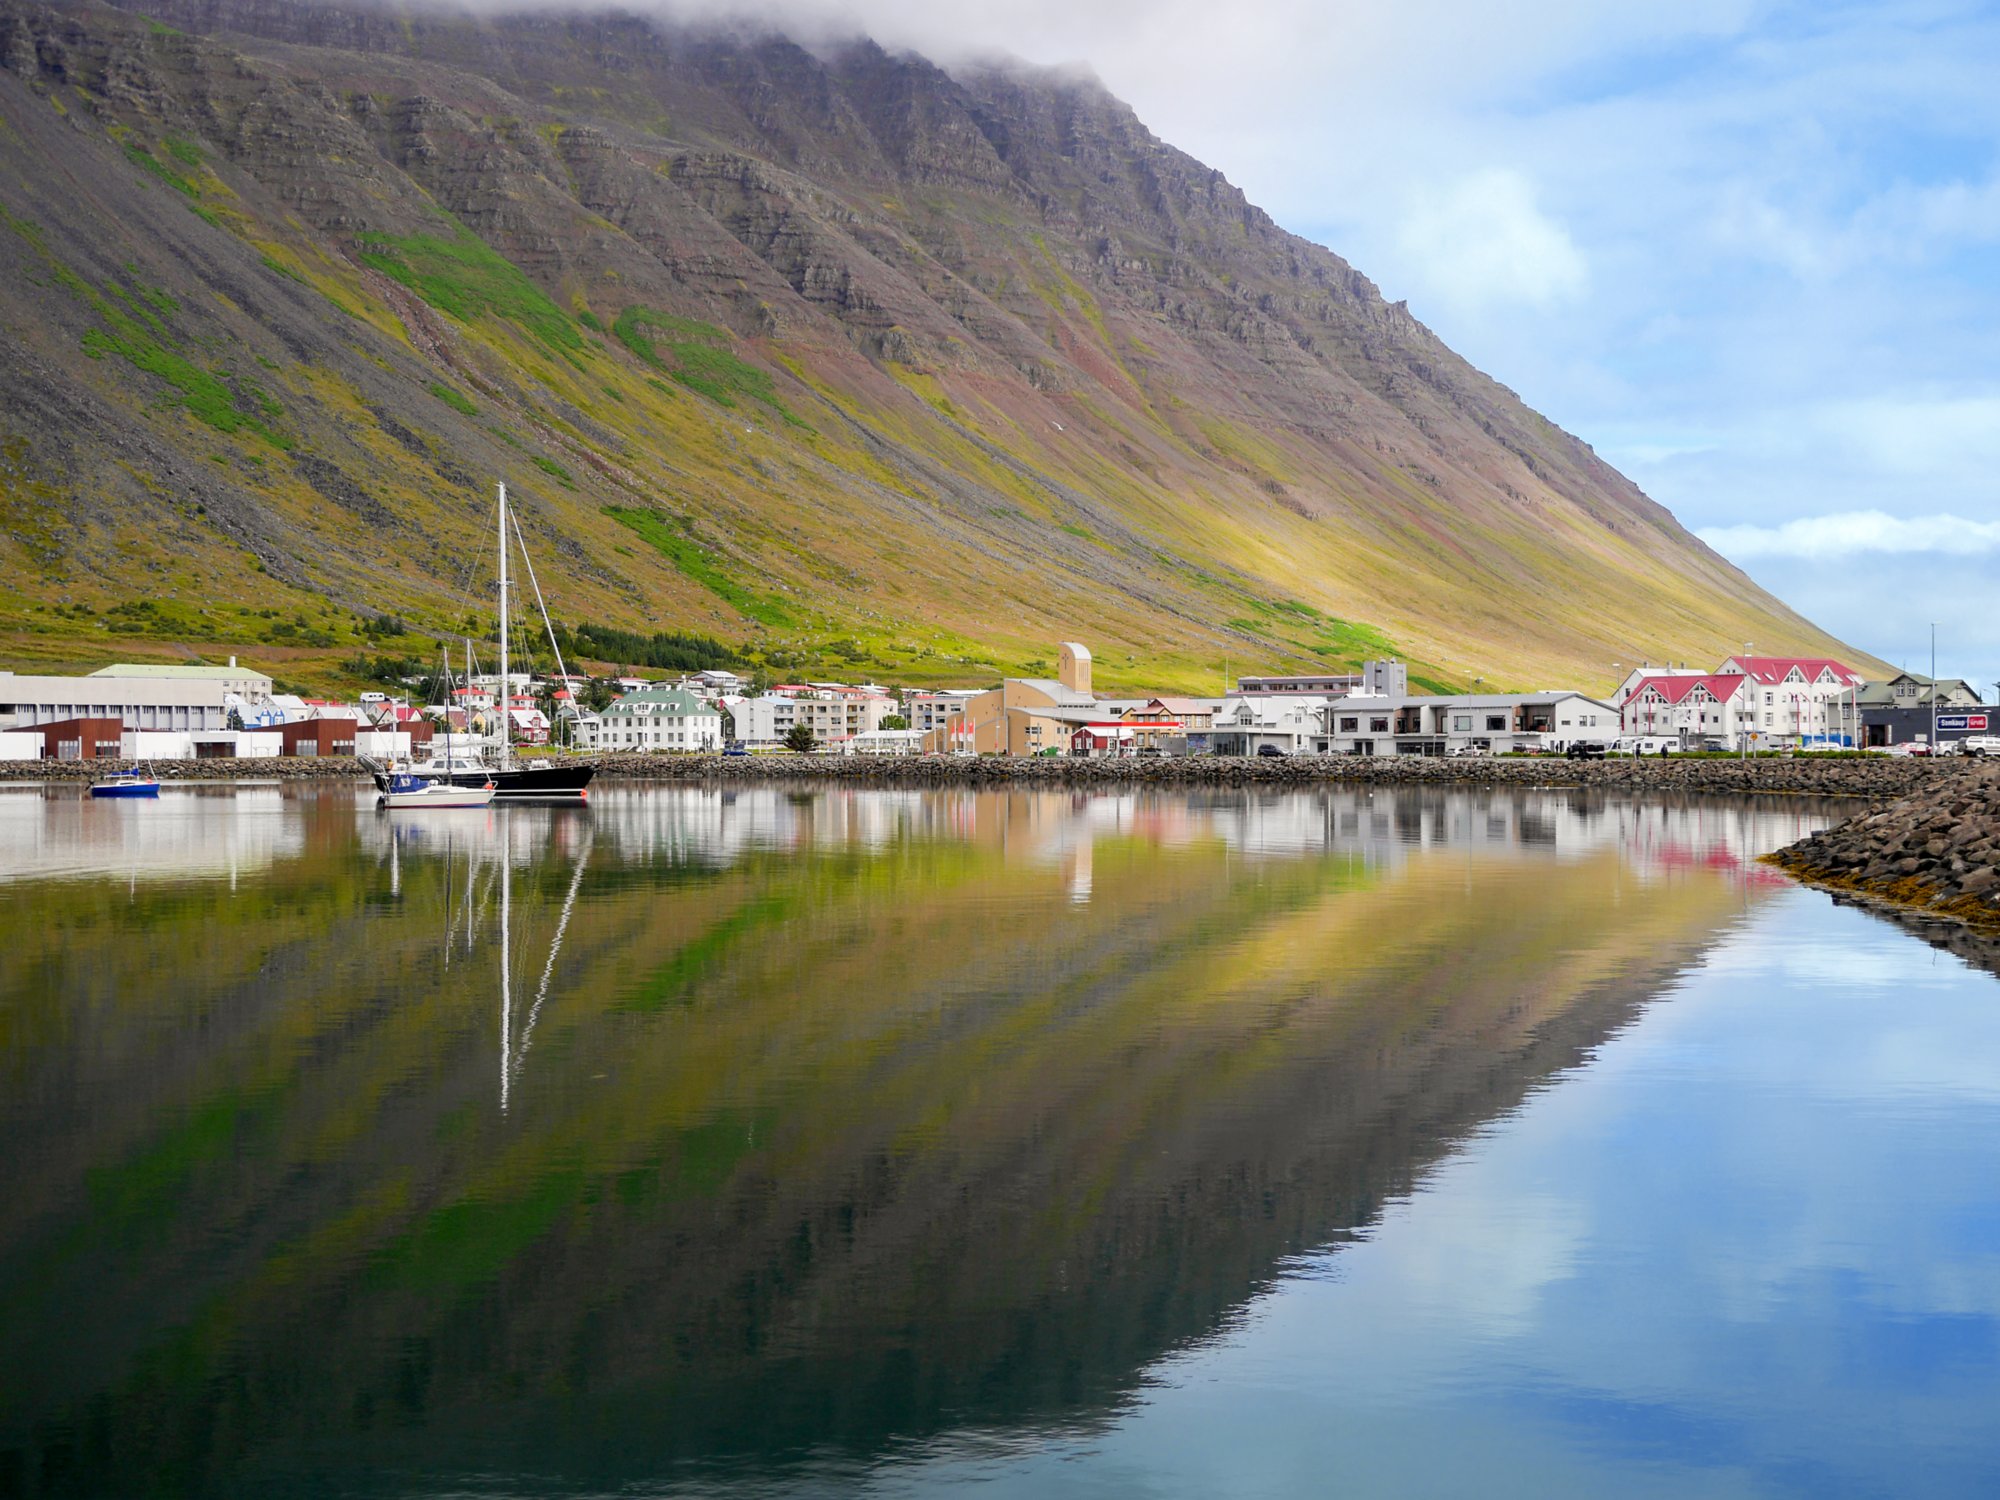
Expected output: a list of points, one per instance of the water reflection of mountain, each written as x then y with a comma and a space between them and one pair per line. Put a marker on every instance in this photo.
832, 1143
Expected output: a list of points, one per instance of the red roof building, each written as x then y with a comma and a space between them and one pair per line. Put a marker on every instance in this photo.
1687, 709
1809, 671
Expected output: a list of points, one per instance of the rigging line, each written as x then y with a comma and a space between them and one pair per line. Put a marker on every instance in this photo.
555, 947
547, 623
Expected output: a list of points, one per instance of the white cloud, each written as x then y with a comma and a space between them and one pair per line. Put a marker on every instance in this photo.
1852, 533
1485, 240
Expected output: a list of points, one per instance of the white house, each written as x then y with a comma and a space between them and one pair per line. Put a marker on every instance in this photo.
657, 719
1244, 725
1713, 706
1795, 697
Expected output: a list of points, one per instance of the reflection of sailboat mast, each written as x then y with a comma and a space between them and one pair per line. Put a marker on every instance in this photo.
450, 926
555, 948
506, 973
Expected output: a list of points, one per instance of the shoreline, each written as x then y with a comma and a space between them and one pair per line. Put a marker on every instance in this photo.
1870, 777
1931, 856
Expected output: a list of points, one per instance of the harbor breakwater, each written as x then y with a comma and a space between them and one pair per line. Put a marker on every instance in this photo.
1933, 852
1873, 776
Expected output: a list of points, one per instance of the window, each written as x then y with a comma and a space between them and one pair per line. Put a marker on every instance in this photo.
1496, 721
1350, 725
1378, 726
1461, 723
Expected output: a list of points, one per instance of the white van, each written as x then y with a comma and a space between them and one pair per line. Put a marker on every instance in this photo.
1645, 744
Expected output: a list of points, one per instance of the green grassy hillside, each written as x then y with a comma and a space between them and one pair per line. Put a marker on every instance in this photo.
853, 366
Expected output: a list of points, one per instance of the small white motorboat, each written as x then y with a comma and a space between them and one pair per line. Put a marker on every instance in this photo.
403, 792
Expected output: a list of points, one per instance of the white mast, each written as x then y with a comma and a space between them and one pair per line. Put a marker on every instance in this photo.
506, 686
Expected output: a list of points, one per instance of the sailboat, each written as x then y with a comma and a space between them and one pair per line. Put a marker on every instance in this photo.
564, 780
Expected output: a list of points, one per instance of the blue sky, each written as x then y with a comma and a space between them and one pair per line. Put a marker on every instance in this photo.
1746, 250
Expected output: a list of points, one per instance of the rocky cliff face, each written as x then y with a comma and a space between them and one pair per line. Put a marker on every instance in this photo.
815, 352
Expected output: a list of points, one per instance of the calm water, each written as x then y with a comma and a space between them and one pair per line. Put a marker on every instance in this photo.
810, 1142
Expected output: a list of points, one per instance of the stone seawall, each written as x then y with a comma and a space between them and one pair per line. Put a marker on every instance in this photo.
1935, 851
1874, 776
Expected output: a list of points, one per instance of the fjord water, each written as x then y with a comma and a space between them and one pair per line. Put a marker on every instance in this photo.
806, 1141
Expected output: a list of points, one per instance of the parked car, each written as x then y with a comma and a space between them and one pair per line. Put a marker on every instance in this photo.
1585, 750
1271, 750
1980, 744
1910, 747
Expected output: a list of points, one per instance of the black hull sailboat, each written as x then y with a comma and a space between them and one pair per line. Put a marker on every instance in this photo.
552, 781
521, 783
511, 782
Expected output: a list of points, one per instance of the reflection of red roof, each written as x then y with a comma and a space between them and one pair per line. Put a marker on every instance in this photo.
1775, 669
1721, 686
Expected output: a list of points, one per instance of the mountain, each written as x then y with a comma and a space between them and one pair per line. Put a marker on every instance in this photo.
849, 362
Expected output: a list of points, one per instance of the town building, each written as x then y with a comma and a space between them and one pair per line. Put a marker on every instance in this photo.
1019, 717
318, 737
81, 739
938, 708
1915, 690
1376, 679
1465, 723
528, 726
1693, 710
1196, 715
241, 681
659, 719
155, 698
1898, 710
1289, 722
1647, 673
1796, 699
833, 712
884, 742
1324, 685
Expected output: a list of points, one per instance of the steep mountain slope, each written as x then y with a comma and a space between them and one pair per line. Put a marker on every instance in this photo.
844, 360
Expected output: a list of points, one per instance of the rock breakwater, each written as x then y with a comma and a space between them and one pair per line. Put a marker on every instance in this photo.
1871, 776
1935, 850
